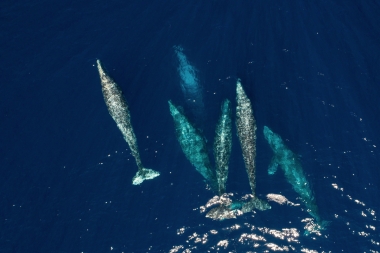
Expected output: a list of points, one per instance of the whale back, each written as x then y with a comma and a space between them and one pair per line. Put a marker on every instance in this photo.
114, 99
246, 128
222, 145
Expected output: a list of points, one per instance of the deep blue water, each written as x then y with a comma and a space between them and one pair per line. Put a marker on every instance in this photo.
311, 70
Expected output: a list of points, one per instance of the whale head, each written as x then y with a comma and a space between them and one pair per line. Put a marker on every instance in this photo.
275, 141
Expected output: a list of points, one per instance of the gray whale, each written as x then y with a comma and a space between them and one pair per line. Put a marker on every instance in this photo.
289, 162
118, 109
246, 128
193, 145
222, 146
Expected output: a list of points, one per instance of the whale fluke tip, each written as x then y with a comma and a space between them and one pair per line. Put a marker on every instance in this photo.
144, 174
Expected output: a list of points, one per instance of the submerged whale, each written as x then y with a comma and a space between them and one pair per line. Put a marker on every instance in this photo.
190, 86
290, 164
222, 146
246, 128
193, 145
222, 152
118, 108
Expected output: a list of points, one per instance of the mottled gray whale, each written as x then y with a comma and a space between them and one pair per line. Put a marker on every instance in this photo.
291, 166
222, 146
246, 128
193, 145
222, 152
118, 108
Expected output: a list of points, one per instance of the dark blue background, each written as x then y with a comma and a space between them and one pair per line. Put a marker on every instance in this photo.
311, 71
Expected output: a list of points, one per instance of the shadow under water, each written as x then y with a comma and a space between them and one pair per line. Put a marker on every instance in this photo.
191, 88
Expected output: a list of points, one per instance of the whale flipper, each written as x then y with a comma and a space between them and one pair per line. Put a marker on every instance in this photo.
118, 109
222, 146
144, 174
246, 128
290, 164
273, 166
193, 145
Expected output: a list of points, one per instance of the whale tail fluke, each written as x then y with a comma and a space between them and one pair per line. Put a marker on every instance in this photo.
255, 203
237, 208
144, 174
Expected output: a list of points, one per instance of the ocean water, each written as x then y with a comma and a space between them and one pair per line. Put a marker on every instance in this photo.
310, 69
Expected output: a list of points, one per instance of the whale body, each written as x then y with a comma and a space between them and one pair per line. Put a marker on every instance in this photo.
222, 146
290, 164
222, 152
118, 109
190, 86
246, 128
193, 145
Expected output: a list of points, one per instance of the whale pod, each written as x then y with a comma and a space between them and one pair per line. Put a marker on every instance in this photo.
222, 146
290, 164
246, 128
118, 109
193, 145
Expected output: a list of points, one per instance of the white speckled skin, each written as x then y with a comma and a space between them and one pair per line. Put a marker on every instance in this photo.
118, 108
